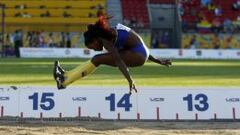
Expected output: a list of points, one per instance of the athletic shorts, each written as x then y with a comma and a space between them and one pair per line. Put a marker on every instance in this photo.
141, 48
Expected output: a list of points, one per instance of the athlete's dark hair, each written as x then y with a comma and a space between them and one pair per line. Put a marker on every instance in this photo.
99, 29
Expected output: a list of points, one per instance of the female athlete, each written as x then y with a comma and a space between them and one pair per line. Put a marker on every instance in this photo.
125, 48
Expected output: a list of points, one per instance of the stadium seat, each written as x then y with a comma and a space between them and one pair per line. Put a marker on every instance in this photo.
226, 6
50, 20
36, 12
53, 3
131, 8
162, 1
58, 12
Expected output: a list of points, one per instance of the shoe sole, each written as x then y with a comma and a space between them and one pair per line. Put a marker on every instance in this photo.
56, 77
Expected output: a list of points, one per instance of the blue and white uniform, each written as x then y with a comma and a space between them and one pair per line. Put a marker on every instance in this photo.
122, 35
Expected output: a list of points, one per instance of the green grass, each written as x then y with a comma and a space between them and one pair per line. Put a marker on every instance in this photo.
182, 73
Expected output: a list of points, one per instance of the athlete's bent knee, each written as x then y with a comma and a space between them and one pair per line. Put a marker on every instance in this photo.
95, 60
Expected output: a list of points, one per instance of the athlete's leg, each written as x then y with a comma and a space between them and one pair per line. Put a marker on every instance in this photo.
131, 59
64, 78
79, 72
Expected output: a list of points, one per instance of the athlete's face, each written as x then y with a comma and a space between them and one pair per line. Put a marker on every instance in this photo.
96, 45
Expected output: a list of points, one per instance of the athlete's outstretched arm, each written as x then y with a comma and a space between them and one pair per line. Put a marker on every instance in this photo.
120, 63
165, 62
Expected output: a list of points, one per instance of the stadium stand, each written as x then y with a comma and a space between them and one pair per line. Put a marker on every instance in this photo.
63, 15
162, 1
56, 16
210, 41
135, 11
195, 11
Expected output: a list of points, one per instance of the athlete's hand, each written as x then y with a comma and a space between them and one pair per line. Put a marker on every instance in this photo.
166, 62
132, 87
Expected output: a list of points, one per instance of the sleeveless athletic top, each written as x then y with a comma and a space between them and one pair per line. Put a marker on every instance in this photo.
122, 35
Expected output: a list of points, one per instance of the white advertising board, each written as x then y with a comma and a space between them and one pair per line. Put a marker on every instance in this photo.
56, 53
197, 53
160, 53
155, 103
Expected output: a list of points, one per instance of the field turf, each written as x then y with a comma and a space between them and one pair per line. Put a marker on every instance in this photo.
38, 72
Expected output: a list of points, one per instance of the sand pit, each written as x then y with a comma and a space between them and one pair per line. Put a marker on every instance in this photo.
119, 128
